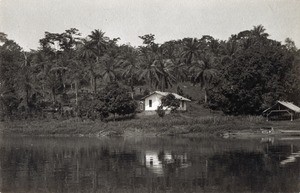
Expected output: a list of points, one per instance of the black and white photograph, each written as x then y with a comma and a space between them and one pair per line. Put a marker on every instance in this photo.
149, 96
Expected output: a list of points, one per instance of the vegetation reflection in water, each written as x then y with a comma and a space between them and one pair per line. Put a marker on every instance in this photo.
148, 165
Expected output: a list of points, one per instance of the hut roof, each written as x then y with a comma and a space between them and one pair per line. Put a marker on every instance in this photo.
288, 105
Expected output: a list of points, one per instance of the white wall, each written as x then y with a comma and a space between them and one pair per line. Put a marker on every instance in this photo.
155, 102
182, 106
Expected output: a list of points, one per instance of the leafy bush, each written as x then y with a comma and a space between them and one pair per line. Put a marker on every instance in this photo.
160, 111
254, 78
171, 102
87, 107
117, 100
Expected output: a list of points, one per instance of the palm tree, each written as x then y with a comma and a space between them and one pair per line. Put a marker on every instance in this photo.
259, 32
98, 42
108, 70
166, 77
179, 69
25, 82
156, 69
93, 53
149, 72
228, 50
191, 50
171, 54
89, 59
202, 72
130, 64
48, 78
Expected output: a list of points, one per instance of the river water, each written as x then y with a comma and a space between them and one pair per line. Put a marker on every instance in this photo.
69, 164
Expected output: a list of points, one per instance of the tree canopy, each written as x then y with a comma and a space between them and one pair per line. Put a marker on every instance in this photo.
242, 75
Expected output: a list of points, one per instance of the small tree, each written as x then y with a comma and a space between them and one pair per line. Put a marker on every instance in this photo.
171, 102
180, 91
117, 100
101, 109
160, 111
87, 106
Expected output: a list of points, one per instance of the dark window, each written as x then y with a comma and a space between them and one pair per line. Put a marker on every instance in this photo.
150, 103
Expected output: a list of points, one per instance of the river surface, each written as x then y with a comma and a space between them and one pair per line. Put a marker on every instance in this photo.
68, 164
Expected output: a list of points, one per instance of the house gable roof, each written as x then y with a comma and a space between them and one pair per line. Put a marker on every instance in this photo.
177, 96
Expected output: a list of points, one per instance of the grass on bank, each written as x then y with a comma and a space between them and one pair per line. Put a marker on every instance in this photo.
197, 121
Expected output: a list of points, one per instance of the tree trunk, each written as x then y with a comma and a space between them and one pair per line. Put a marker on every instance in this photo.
27, 96
53, 94
132, 88
95, 85
92, 83
76, 93
27, 102
64, 88
43, 90
132, 95
205, 96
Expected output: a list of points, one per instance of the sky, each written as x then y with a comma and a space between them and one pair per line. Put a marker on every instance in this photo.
26, 21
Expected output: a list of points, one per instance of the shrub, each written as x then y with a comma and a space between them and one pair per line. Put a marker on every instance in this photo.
117, 100
170, 101
160, 111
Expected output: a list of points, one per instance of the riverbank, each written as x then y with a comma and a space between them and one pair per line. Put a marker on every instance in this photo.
183, 124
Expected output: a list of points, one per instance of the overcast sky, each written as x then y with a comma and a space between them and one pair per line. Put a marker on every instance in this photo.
25, 21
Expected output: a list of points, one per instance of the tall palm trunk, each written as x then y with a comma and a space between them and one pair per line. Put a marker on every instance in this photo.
95, 84
162, 84
131, 86
205, 95
53, 94
76, 93
92, 83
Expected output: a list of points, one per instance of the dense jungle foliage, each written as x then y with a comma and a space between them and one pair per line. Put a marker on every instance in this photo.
242, 75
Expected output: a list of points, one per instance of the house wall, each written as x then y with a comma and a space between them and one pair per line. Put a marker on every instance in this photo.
156, 102
182, 106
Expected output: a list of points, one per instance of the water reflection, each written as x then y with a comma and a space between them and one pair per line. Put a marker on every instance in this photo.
163, 162
148, 165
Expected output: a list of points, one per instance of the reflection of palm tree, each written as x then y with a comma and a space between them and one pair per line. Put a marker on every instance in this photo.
203, 73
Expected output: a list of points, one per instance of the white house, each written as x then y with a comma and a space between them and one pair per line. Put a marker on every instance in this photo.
152, 101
